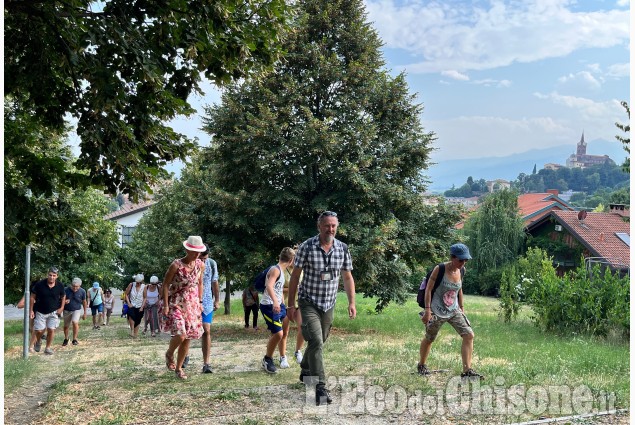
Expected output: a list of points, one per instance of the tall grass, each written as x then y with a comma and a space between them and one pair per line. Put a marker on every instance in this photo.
381, 348
16, 370
517, 352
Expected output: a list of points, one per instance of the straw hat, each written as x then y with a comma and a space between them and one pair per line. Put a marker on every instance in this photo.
194, 243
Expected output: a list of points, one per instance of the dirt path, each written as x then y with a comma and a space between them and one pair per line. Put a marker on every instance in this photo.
112, 379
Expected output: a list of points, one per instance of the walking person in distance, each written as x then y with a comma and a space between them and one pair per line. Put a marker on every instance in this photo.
48, 299
274, 311
74, 305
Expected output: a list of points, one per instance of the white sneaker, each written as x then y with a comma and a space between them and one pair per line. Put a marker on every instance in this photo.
298, 356
284, 364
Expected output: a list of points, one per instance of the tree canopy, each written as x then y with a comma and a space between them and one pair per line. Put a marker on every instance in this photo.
495, 231
626, 141
64, 225
123, 68
328, 128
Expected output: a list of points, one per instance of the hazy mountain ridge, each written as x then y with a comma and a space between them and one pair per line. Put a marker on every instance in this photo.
455, 172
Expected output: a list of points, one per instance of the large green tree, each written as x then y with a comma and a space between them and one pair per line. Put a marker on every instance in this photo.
329, 128
495, 231
122, 68
65, 226
626, 141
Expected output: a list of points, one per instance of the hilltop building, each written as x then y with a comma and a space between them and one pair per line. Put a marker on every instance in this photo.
580, 159
498, 184
552, 166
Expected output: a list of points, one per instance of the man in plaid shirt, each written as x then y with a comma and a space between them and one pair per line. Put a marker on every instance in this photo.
323, 259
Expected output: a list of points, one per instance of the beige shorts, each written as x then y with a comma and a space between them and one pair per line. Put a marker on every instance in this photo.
45, 321
459, 322
72, 316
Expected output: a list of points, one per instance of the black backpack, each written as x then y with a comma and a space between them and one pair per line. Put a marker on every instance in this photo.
421, 295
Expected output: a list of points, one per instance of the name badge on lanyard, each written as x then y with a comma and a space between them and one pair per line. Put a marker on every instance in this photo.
326, 275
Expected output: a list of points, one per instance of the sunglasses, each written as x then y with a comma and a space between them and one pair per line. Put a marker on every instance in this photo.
328, 214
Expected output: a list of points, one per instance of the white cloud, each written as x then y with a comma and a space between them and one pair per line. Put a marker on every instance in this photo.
466, 36
588, 109
482, 136
489, 82
504, 83
455, 75
582, 78
623, 3
619, 70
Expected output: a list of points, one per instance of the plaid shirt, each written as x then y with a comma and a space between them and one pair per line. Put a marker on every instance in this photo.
312, 259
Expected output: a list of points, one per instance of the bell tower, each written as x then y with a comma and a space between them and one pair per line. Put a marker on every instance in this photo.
581, 146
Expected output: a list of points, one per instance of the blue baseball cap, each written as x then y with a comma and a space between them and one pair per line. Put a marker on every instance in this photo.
95, 284
460, 251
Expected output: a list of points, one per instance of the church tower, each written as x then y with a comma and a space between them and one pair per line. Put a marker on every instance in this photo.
581, 146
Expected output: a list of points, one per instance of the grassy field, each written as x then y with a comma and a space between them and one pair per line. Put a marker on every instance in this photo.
371, 363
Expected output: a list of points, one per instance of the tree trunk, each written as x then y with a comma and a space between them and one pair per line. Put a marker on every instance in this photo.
228, 286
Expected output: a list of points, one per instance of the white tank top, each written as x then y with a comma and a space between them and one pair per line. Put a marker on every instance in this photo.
277, 289
136, 296
152, 296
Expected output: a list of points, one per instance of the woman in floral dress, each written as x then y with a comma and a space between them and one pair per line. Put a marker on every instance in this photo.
183, 284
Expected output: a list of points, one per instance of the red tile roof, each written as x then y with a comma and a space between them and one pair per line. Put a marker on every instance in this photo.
597, 233
129, 208
535, 206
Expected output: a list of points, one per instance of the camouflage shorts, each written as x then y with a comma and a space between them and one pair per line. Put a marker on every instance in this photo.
459, 322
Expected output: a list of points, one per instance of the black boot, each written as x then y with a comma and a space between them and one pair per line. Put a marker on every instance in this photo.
322, 395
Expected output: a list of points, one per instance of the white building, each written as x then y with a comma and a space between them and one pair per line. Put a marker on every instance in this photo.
498, 184
127, 218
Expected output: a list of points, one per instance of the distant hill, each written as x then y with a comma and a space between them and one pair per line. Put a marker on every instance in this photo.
444, 174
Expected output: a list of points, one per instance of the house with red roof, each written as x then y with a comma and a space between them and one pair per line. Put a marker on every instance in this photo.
535, 207
599, 237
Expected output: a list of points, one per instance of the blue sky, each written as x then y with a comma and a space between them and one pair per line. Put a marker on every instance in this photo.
501, 77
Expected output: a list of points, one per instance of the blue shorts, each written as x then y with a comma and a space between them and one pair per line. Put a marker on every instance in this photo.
208, 318
273, 320
97, 308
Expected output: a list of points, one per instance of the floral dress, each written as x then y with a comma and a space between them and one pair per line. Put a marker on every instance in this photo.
184, 316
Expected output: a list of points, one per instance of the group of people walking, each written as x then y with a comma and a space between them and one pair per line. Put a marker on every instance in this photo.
142, 303
184, 305
49, 301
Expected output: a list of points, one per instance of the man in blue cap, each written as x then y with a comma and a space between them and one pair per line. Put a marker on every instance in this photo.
445, 304
96, 303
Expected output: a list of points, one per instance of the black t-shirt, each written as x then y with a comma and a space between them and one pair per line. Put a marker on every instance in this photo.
47, 300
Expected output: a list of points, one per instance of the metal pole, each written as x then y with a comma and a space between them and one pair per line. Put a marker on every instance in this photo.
27, 302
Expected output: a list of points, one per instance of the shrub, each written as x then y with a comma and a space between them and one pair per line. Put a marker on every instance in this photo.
470, 283
510, 292
489, 282
593, 302
414, 281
